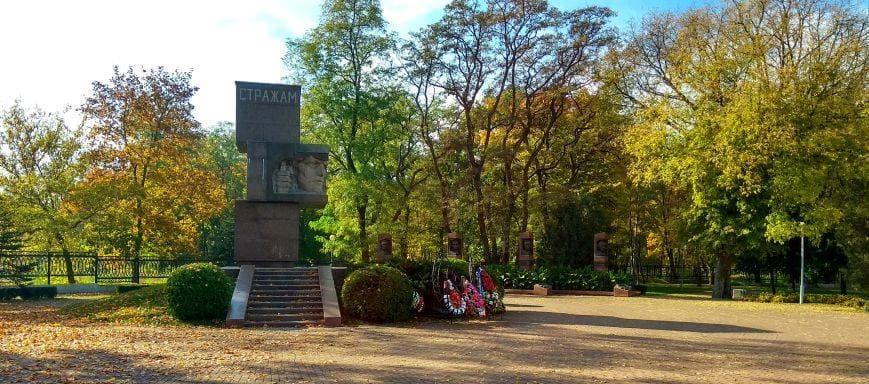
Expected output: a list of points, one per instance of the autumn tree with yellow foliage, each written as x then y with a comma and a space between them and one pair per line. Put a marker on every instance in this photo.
155, 187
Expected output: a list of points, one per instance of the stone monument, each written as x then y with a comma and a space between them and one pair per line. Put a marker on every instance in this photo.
526, 251
384, 247
282, 174
601, 248
454, 245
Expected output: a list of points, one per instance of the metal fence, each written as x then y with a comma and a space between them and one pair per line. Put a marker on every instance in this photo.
56, 267
682, 274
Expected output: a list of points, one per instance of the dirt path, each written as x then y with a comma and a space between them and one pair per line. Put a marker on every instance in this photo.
541, 340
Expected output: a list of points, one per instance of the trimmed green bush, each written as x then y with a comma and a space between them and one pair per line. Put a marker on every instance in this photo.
378, 294
36, 292
128, 288
9, 293
198, 292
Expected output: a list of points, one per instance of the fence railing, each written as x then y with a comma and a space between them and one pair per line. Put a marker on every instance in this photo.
681, 274
56, 267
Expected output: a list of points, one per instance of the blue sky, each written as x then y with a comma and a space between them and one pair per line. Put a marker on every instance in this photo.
54, 49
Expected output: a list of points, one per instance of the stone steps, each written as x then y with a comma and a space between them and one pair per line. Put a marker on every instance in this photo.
282, 324
259, 286
284, 310
284, 297
284, 317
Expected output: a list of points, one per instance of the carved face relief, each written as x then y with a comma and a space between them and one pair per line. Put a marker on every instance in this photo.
312, 174
284, 178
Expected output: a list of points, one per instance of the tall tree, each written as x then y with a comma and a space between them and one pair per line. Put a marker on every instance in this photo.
745, 108
216, 241
512, 69
142, 135
345, 63
41, 169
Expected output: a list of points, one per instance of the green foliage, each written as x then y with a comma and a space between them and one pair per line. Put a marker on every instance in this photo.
571, 228
420, 271
351, 105
512, 277
199, 291
378, 294
11, 268
10, 235
40, 168
34, 292
760, 136
562, 278
311, 239
215, 240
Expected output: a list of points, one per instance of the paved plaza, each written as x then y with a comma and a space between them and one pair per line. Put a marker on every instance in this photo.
540, 340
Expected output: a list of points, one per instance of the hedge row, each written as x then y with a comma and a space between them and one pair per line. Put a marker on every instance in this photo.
28, 293
794, 297
566, 278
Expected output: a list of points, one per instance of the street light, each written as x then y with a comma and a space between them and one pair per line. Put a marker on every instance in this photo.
802, 262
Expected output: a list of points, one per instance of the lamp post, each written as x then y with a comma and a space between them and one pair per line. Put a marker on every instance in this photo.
802, 262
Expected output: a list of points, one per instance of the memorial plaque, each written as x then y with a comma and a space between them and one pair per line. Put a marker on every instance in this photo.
454, 245
601, 249
526, 250
384, 247
266, 113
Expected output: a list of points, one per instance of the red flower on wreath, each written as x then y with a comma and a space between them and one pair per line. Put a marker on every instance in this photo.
455, 299
488, 284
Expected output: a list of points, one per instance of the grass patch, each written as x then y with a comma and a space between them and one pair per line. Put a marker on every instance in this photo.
145, 306
673, 290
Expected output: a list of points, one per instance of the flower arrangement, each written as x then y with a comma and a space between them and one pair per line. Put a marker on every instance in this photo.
455, 303
476, 305
418, 303
494, 303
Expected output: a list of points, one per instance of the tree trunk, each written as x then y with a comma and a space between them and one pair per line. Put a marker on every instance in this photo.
671, 262
137, 247
363, 232
67, 259
481, 217
721, 285
403, 242
772, 280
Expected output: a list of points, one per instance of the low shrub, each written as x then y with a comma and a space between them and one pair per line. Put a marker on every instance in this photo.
378, 293
128, 288
198, 292
789, 297
9, 293
512, 277
558, 277
794, 297
36, 292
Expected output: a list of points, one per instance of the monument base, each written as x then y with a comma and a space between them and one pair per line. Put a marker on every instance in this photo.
266, 233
